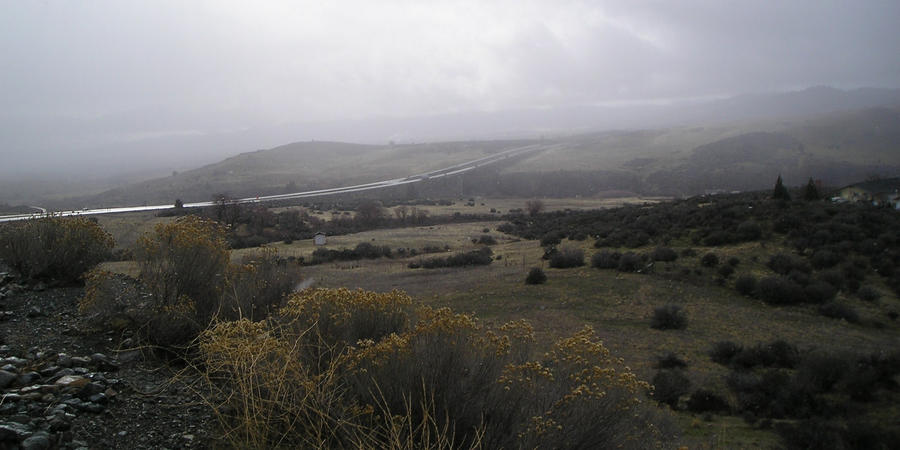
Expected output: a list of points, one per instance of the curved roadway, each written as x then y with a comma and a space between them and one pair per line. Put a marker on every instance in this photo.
455, 169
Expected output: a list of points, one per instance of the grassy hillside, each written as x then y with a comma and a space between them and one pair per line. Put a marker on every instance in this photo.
838, 149
300, 166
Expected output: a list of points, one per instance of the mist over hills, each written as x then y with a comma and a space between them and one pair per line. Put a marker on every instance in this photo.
843, 134
836, 148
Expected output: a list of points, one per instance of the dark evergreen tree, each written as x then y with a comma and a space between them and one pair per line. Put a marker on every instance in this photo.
812, 192
780, 192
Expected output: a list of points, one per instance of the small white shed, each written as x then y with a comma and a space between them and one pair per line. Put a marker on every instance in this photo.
319, 238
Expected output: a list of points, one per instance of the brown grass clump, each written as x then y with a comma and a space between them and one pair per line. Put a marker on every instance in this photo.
54, 248
341, 368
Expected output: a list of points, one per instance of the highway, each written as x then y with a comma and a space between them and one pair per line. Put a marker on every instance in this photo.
455, 169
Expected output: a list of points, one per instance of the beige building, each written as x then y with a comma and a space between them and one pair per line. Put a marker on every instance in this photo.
878, 192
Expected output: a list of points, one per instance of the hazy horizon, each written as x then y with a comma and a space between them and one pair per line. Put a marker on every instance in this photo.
120, 86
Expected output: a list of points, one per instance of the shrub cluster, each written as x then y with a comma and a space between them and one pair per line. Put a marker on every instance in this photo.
777, 353
670, 360
669, 317
709, 260
358, 369
837, 310
704, 400
566, 258
536, 276
632, 262
186, 281
605, 259
485, 239
776, 381
480, 257
669, 385
663, 254
55, 249
363, 250
828, 232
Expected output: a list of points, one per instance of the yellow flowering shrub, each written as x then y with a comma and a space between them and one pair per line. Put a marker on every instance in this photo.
186, 281
375, 370
185, 258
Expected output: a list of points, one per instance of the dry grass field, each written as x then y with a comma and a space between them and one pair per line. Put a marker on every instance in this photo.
618, 305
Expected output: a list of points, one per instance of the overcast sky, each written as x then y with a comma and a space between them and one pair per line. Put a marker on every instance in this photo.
147, 68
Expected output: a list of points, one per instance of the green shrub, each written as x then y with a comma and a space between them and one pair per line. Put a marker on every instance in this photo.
552, 238
819, 292
725, 271
868, 293
480, 257
669, 385
664, 254
605, 260
837, 310
824, 258
669, 317
567, 258
778, 354
783, 264
631, 262
745, 285
709, 260
780, 291
749, 231
486, 239
723, 352
704, 400
670, 360
54, 248
536, 276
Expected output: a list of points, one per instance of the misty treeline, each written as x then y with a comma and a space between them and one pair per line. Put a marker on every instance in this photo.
255, 224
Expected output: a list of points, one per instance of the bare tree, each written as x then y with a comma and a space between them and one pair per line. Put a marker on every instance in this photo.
226, 209
369, 212
401, 212
534, 207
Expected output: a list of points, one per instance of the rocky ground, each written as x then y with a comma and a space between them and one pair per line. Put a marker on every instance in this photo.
65, 386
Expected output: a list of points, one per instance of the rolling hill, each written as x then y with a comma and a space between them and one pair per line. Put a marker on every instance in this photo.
837, 148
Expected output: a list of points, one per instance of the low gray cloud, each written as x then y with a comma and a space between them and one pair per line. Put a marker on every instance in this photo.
77, 74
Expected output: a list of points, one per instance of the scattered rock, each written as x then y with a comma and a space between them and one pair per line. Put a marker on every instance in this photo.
75, 381
64, 360
37, 441
13, 432
6, 378
28, 378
